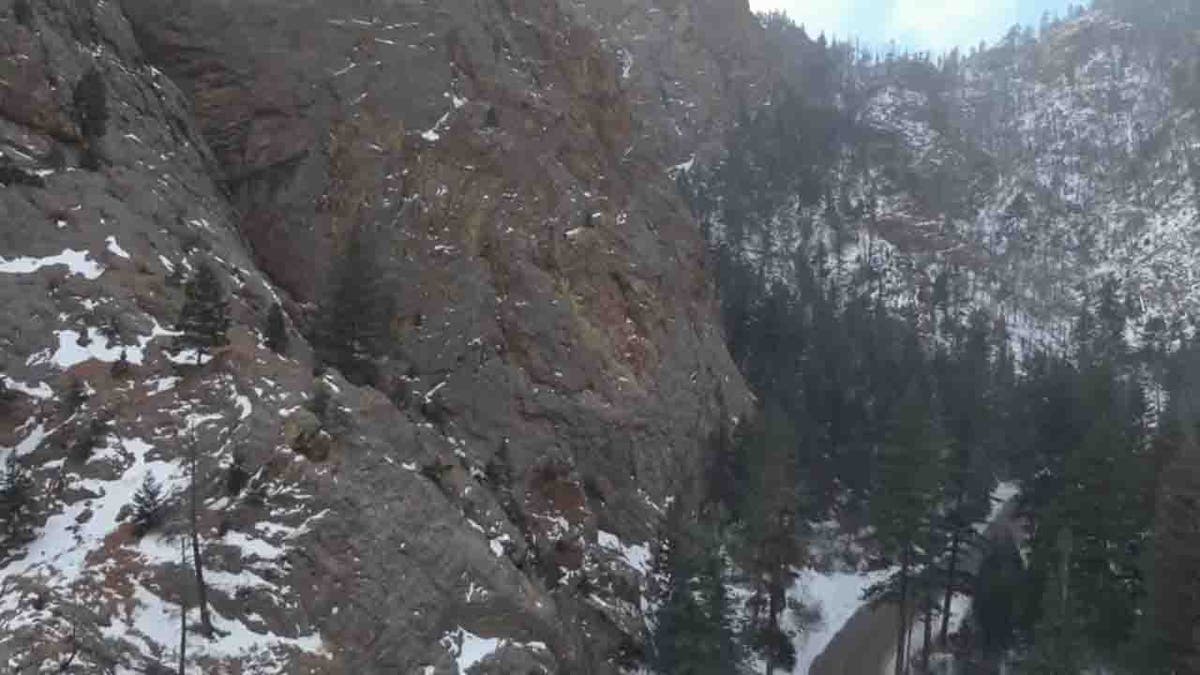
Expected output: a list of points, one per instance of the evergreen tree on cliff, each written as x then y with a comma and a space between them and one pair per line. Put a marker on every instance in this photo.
355, 314
147, 505
16, 495
276, 330
91, 114
204, 321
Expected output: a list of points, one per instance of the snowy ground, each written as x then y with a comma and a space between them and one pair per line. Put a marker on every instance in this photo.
837, 595
469, 649
960, 604
77, 262
80, 554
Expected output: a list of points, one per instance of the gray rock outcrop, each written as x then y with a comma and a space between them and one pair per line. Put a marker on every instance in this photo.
554, 366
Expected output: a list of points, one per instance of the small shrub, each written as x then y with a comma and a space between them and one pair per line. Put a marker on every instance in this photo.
236, 476
56, 158
275, 332
7, 396
75, 396
319, 403
256, 493
120, 367
90, 437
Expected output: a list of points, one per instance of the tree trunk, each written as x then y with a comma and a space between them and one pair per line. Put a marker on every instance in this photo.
183, 608
902, 628
951, 568
928, 630
774, 598
201, 589
1065, 546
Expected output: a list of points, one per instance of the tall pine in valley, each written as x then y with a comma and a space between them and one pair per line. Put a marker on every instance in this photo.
357, 310
769, 513
1087, 470
693, 630
904, 506
204, 320
1166, 638
965, 383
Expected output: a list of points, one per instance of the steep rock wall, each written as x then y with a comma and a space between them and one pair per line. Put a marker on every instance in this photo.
554, 371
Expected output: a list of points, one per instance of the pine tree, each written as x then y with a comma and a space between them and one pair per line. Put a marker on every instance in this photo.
147, 505
237, 476
89, 437
903, 504
693, 631
275, 332
967, 402
91, 104
769, 510
204, 320
354, 318
91, 114
997, 589
1167, 633
1088, 489
1058, 644
16, 495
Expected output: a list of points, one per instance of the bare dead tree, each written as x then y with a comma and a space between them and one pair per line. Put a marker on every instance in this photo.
74, 641
201, 589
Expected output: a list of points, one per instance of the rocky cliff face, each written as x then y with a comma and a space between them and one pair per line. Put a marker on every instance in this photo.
554, 374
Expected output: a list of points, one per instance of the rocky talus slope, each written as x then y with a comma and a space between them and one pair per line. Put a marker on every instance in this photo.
554, 373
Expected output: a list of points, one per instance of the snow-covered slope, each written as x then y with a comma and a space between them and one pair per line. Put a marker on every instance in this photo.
1019, 178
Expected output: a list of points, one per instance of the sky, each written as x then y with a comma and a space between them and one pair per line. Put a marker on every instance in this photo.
918, 25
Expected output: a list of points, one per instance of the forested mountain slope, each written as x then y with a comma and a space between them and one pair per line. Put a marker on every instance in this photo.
941, 272
1019, 177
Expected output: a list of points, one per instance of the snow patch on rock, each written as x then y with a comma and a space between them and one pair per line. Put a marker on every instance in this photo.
114, 248
76, 261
